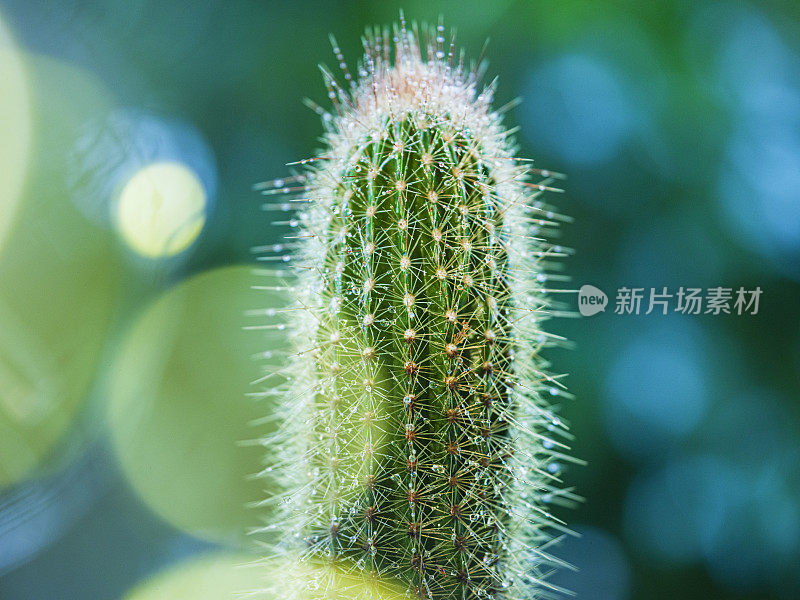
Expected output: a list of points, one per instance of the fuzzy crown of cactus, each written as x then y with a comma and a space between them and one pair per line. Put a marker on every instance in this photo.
420, 444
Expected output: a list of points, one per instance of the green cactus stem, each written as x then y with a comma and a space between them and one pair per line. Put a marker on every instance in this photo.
420, 444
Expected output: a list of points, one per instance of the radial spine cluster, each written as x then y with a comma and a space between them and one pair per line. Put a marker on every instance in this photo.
420, 443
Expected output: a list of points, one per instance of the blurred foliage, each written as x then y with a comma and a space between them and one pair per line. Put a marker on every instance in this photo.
123, 378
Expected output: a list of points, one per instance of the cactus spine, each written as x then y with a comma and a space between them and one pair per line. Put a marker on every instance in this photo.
419, 445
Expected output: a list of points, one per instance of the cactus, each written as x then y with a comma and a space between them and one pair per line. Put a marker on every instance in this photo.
420, 444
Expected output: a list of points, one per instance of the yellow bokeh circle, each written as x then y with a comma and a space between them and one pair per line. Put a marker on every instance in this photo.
161, 209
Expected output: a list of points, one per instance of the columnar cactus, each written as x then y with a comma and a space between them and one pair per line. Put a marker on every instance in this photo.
420, 445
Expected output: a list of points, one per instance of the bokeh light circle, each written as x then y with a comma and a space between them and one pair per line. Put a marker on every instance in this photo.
705, 507
58, 282
220, 576
657, 389
113, 149
224, 576
179, 413
15, 128
161, 210
670, 511
752, 69
584, 113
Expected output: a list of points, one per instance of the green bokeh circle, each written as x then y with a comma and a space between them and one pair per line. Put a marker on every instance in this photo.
212, 577
178, 409
234, 577
59, 278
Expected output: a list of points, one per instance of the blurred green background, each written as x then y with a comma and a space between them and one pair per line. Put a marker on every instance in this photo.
125, 407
